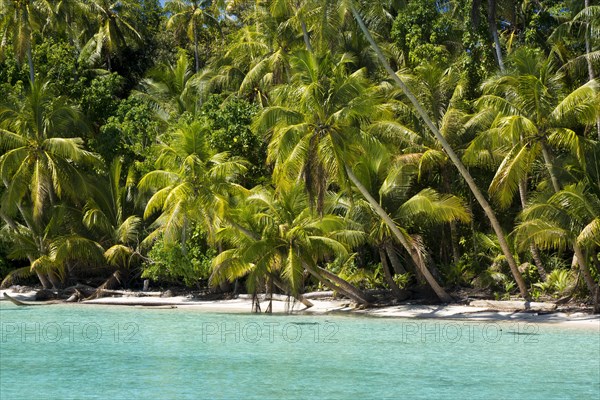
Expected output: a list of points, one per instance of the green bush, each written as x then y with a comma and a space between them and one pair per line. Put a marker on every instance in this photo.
170, 264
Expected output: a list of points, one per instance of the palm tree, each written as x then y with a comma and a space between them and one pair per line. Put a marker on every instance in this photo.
315, 133
530, 111
293, 11
587, 22
171, 89
256, 58
53, 249
108, 214
114, 29
277, 237
191, 16
568, 218
441, 91
449, 150
41, 158
391, 181
189, 183
19, 19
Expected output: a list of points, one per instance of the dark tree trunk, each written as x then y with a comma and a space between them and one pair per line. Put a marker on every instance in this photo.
394, 259
30, 62
535, 252
494, 32
196, 56
338, 284
399, 294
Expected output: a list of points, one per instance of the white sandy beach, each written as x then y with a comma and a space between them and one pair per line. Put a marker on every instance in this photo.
243, 304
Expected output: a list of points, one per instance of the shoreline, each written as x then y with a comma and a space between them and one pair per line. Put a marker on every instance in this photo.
243, 304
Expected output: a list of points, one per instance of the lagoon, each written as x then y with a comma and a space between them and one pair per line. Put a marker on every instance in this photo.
74, 351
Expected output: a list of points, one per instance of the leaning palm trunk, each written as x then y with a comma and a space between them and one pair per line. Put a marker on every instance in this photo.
299, 297
399, 294
338, 284
394, 260
453, 157
439, 291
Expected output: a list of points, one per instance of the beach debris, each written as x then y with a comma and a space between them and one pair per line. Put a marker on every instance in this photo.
514, 306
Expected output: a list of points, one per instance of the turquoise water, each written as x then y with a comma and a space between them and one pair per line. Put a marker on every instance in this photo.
69, 351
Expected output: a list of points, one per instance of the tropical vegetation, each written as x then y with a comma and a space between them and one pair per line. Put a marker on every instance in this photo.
424, 148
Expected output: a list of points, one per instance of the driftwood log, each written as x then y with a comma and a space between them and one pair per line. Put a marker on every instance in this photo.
514, 306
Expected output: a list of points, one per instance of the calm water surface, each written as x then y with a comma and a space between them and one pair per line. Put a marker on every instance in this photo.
74, 352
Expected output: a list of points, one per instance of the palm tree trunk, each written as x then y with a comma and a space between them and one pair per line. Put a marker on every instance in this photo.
453, 157
597, 296
286, 289
196, 57
475, 15
439, 291
535, 252
338, 284
399, 294
453, 228
55, 280
494, 32
305, 35
550, 166
30, 62
587, 276
396, 264
43, 280
454, 242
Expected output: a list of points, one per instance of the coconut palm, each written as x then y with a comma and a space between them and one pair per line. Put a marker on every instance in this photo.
170, 88
40, 150
189, 183
530, 112
114, 29
390, 181
277, 238
294, 14
441, 91
256, 59
53, 249
19, 19
583, 23
567, 219
314, 128
108, 214
448, 149
41, 157
191, 16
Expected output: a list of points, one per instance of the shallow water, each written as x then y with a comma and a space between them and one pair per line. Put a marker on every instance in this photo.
70, 351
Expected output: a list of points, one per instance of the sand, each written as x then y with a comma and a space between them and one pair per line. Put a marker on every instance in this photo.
243, 304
